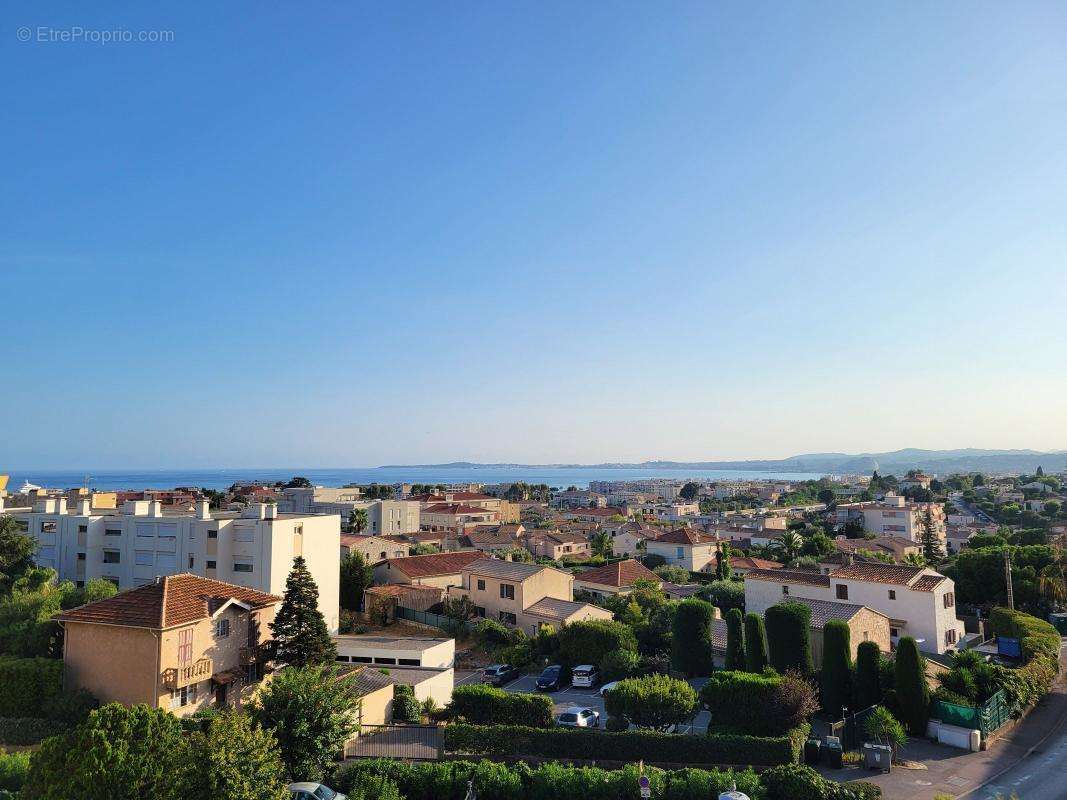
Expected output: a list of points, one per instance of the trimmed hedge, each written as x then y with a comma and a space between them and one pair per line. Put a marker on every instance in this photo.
447, 780
28, 730
582, 744
588, 641
27, 684
801, 782
1036, 636
480, 704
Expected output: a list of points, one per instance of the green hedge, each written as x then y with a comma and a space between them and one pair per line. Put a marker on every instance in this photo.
589, 745
447, 780
27, 684
28, 730
480, 704
1035, 635
13, 770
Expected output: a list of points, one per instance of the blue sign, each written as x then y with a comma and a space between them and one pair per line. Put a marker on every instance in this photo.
1007, 646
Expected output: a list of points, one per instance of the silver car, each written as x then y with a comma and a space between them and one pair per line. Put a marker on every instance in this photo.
578, 717
306, 790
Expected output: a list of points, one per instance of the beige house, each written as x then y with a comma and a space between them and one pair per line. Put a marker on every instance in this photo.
436, 569
864, 625
686, 547
630, 537
181, 643
557, 545
372, 548
617, 578
526, 596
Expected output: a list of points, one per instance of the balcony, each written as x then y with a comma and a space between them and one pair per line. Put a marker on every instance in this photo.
177, 677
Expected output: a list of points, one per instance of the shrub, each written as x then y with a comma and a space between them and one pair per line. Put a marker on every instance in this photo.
652, 560
26, 684
884, 728
635, 745
28, 730
479, 704
912, 692
495, 634
755, 643
70, 708
405, 707
654, 701
867, 687
735, 640
789, 637
766, 704
1035, 636
672, 574
619, 664
836, 678
725, 595
587, 642
801, 782
13, 770
691, 637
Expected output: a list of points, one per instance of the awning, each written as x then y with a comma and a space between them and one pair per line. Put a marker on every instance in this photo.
227, 677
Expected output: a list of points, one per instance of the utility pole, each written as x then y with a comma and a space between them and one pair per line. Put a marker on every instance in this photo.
1007, 578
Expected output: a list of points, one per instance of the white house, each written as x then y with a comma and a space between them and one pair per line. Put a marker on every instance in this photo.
686, 547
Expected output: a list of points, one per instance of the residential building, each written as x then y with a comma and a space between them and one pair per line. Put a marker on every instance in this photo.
895, 516
740, 566
254, 547
686, 547
557, 545
617, 578
384, 517
918, 601
491, 539
668, 512
599, 514
578, 498
380, 603
181, 643
630, 538
426, 664
898, 547
454, 517
436, 569
525, 596
915, 481
373, 548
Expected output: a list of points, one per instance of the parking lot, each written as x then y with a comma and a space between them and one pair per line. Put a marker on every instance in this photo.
570, 696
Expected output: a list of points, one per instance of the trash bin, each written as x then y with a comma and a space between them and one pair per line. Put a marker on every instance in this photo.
877, 756
832, 752
811, 751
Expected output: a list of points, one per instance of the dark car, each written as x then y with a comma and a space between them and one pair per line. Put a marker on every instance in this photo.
499, 674
552, 679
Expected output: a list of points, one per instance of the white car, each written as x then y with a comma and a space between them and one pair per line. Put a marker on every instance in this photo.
607, 687
578, 717
313, 791
585, 676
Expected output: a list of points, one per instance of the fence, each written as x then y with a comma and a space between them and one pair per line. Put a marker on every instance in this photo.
987, 718
851, 729
406, 742
425, 617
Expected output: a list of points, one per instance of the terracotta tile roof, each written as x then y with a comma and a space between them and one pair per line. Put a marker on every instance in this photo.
490, 538
174, 600
900, 574
508, 570
455, 508
621, 573
718, 635
748, 562
595, 512
822, 611
927, 583
433, 564
789, 576
688, 536
556, 608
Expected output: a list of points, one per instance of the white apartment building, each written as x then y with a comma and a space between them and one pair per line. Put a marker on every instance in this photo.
919, 601
383, 516
895, 516
131, 546
668, 512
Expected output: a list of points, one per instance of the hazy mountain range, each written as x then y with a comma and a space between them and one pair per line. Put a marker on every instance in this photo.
899, 461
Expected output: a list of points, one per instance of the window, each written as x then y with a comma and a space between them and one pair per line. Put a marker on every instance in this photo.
892, 594
144, 558
507, 617
507, 591
213, 534
950, 636
242, 566
385, 660
111, 557
48, 527
382, 555
479, 611
115, 532
185, 646
192, 562
222, 628
481, 585
409, 662
83, 529
243, 534
679, 552
210, 565
842, 591
894, 632
362, 659
81, 556
785, 589
950, 599
183, 696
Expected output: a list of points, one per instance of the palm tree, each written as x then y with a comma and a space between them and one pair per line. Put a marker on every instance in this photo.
788, 547
914, 560
1052, 581
601, 544
357, 520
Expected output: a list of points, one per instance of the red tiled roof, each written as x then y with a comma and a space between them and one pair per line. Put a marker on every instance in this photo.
455, 508
434, 564
174, 600
748, 562
621, 573
595, 512
688, 536
927, 583
879, 573
788, 576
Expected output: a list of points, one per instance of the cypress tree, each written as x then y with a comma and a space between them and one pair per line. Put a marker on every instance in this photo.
735, 640
722, 563
867, 684
299, 629
789, 637
691, 639
836, 683
755, 643
913, 693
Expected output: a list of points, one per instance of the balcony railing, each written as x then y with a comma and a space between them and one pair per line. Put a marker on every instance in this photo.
177, 677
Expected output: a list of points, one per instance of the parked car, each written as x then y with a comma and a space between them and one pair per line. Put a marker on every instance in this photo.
585, 676
552, 679
607, 687
313, 791
579, 717
499, 674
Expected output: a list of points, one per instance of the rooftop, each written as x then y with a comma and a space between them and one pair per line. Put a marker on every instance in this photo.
508, 570
689, 536
620, 573
434, 563
555, 608
822, 611
789, 576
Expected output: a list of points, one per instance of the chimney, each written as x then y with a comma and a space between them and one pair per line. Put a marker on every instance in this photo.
155, 508
203, 509
84, 508
61, 505
270, 511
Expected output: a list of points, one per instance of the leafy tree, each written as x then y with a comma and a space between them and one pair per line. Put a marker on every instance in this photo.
689, 491
587, 642
16, 553
653, 560
836, 679
235, 759
867, 687
818, 545
789, 637
311, 713
913, 694
654, 701
725, 595
755, 643
357, 520
826, 496
691, 637
356, 576
672, 573
764, 704
735, 640
298, 483
118, 753
299, 628
619, 664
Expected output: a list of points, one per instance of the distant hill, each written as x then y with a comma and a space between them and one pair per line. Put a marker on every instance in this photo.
899, 461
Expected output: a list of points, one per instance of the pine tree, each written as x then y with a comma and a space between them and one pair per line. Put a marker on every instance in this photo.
836, 689
735, 640
913, 693
356, 576
931, 544
299, 628
867, 686
722, 563
755, 643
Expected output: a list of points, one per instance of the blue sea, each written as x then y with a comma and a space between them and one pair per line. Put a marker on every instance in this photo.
222, 478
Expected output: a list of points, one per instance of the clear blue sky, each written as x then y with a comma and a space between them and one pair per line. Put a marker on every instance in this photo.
348, 233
